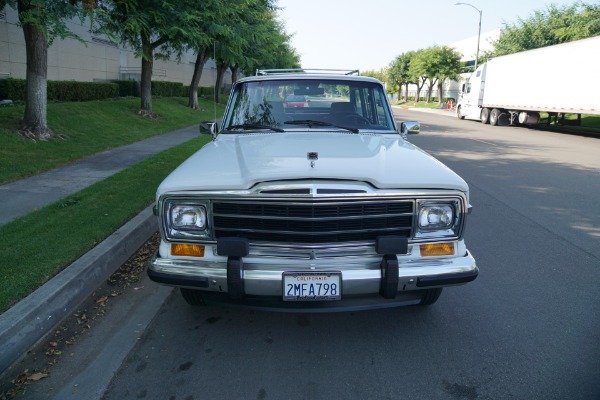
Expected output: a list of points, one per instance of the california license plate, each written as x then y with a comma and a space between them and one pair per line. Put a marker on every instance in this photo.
312, 286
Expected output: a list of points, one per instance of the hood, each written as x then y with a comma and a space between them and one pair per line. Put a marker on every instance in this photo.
238, 162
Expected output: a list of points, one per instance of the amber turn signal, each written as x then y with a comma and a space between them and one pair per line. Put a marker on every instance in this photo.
190, 250
437, 249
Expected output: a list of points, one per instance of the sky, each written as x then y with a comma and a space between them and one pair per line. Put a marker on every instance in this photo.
369, 34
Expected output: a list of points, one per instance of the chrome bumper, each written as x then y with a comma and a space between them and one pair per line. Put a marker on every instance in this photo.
359, 277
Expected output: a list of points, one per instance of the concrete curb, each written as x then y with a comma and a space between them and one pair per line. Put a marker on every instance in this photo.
26, 323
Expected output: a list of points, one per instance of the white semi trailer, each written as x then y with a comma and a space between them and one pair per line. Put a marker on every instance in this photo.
514, 89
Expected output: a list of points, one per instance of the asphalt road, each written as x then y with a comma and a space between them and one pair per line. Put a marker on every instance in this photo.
527, 328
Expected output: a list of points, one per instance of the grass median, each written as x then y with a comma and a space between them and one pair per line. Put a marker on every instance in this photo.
85, 128
38, 246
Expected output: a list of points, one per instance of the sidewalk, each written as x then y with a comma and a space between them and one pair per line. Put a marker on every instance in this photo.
23, 196
28, 321
439, 111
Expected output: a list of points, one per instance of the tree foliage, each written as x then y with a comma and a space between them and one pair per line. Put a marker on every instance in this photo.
399, 72
549, 26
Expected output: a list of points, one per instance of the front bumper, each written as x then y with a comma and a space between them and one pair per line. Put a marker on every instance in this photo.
361, 279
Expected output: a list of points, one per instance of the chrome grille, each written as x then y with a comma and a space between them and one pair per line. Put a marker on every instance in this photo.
313, 221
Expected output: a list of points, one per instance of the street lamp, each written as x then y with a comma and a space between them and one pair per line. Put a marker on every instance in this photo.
478, 33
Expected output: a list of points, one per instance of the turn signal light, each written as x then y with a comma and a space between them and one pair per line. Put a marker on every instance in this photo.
190, 250
437, 249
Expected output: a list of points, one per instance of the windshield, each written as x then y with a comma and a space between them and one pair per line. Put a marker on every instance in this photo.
279, 105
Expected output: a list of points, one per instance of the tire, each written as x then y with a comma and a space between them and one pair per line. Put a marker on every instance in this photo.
192, 297
430, 296
485, 116
494, 117
459, 113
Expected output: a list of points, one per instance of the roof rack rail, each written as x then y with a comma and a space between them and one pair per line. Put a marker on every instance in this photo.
307, 71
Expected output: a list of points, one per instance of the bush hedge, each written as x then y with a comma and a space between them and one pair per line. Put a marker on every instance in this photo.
167, 89
128, 88
15, 89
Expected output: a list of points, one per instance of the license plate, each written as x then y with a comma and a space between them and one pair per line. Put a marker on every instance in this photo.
312, 286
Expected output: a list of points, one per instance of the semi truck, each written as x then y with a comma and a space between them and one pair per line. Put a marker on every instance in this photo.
514, 89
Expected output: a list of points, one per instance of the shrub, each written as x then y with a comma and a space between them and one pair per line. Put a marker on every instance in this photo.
12, 89
81, 91
15, 89
167, 89
128, 88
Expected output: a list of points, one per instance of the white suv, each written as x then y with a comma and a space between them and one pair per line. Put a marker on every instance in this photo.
325, 207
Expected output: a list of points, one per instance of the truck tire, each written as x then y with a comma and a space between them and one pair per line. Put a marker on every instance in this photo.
459, 113
430, 296
494, 117
192, 297
485, 116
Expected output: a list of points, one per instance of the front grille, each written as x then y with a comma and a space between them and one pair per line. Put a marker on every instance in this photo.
313, 221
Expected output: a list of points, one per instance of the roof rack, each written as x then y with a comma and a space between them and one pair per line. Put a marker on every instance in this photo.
307, 71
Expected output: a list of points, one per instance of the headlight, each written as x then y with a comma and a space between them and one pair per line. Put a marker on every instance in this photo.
189, 217
438, 219
186, 219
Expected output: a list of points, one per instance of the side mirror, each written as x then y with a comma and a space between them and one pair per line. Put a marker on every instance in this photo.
209, 128
409, 127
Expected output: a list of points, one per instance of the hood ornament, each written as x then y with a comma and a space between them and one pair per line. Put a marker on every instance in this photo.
312, 156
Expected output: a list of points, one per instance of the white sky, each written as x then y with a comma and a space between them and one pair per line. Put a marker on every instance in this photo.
369, 34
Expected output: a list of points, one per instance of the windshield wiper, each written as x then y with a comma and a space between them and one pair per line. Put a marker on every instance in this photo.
310, 123
255, 126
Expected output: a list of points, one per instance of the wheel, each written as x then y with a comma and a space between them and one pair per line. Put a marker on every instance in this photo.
494, 117
459, 113
430, 296
485, 116
192, 297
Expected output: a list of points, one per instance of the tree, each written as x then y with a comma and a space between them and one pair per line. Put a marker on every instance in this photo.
446, 65
553, 25
42, 21
417, 71
213, 17
399, 72
381, 75
154, 29
255, 40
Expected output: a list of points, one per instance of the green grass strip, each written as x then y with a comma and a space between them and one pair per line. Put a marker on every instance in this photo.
89, 127
38, 246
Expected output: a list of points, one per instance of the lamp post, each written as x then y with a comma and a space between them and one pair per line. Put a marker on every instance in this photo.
479, 32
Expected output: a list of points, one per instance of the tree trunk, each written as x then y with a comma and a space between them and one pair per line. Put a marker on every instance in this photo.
35, 123
201, 59
440, 94
399, 92
234, 73
221, 68
146, 83
406, 92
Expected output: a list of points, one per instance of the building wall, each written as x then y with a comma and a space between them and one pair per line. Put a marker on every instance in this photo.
96, 59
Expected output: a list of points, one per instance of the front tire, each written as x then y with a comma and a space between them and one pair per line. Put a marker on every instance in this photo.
485, 116
430, 296
459, 113
192, 297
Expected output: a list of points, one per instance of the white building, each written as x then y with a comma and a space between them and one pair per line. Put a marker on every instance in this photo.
96, 59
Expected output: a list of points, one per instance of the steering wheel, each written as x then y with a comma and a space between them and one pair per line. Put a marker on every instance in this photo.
356, 119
